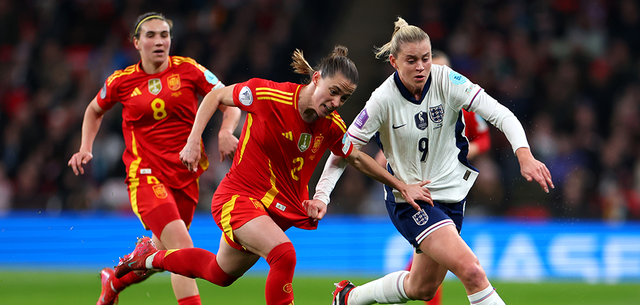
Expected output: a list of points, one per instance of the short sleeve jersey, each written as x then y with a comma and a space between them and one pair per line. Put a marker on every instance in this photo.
422, 139
158, 111
278, 151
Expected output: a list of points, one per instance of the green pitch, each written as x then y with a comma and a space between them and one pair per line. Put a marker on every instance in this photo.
54, 288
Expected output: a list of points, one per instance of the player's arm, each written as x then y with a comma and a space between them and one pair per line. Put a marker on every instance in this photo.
227, 142
502, 118
190, 154
368, 166
90, 125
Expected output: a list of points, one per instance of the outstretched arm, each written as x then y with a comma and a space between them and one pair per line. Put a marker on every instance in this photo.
190, 154
90, 126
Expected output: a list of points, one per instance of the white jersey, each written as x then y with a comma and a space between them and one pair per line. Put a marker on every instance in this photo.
425, 139
422, 140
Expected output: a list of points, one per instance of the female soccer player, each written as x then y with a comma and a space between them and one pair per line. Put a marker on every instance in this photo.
288, 128
416, 114
159, 97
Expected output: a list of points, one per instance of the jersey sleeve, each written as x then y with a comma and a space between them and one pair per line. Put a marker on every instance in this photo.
244, 94
461, 92
207, 81
108, 96
368, 121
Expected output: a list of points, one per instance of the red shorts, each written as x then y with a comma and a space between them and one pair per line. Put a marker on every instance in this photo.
157, 205
232, 211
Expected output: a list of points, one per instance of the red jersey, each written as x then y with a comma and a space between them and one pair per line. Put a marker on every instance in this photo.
477, 130
278, 151
158, 111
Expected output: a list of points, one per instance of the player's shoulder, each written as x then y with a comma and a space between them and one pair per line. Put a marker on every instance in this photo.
188, 62
120, 75
337, 121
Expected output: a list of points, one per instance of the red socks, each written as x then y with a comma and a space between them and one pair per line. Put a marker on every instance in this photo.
192, 300
282, 262
193, 263
130, 278
200, 263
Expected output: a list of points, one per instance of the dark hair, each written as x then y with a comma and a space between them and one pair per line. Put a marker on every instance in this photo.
336, 62
146, 17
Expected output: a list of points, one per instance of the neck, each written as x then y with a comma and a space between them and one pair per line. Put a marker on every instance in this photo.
152, 68
307, 113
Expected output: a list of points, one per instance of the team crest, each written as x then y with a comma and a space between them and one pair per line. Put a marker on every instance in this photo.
174, 82
155, 86
160, 191
316, 144
304, 142
421, 120
436, 113
421, 217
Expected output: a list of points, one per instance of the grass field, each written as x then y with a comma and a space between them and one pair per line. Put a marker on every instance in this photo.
54, 288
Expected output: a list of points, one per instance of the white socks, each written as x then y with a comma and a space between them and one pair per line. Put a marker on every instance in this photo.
487, 296
386, 290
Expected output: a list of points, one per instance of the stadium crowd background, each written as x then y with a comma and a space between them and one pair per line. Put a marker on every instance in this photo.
569, 69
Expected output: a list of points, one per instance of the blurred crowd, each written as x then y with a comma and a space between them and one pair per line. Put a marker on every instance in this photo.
568, 69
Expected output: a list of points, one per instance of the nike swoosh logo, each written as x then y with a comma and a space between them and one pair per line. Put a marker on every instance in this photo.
396, 127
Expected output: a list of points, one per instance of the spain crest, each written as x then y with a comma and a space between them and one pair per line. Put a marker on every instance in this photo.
304, 142
174, 82
160, 191
155, 86
316, 144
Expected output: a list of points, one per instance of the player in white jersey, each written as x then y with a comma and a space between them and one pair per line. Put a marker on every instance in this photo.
416, 116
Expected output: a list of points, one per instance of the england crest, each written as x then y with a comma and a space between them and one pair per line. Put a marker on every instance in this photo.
421, 217
436, 113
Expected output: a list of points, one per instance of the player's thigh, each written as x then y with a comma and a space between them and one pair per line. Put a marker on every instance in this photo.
260, 235
448, 249
233, 261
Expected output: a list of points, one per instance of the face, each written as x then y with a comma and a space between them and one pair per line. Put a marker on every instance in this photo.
330, 93
154, 42
413, 64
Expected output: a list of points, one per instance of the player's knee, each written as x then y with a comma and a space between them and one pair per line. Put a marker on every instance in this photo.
472, 274
283, 255
424, 292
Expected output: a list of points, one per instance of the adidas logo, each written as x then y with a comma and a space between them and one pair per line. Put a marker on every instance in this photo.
136, 92
288, 135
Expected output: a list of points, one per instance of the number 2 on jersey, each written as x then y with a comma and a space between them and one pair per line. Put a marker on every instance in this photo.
297, 168
159, 112
423, 147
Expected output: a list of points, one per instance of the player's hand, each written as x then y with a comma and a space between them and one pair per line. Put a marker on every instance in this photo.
316, 209
227, 144
417, 191
78, 159
532, 169
190, 155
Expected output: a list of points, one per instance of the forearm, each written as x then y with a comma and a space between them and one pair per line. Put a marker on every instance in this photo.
368, 166
90, 127
230, 119
333, 169
208, 106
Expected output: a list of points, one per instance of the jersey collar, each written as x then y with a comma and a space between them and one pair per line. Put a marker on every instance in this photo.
405, 92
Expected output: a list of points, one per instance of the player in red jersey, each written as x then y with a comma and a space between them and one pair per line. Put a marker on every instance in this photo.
288, 129
159, 97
